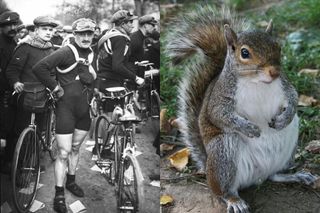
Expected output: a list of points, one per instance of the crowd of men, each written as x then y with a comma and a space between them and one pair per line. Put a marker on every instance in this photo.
73, 62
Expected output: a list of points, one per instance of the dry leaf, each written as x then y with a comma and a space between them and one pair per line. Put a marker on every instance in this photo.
316, 184
166, 147
306, 100
166, 199
175, 122
313, 147
180, 159
164, 123
311, 72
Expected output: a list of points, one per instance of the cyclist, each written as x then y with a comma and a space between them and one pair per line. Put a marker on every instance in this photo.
114, 52
8, 24
147, 25
19, 70
74, 75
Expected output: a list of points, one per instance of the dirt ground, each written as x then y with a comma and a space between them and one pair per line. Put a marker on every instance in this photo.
191, 194
99, 194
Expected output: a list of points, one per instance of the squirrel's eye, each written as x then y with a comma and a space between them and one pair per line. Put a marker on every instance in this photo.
245, 53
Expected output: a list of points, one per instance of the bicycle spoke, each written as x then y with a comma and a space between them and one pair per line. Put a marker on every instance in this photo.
26, 170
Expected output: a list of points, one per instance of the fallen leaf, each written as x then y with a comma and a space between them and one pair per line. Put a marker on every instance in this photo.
166, 199
316, 184
164, 123
313, 147
166, 147
311, 72
175, 122
180, 159
306, 100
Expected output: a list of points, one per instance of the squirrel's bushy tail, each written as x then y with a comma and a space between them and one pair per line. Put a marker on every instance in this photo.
198, 43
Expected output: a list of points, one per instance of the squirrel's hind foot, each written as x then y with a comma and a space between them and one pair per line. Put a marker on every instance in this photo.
301, 177
236, 205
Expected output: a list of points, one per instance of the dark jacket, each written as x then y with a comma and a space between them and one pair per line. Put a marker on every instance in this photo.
63, 58
7, 46
137, 46
116, 67
24, 58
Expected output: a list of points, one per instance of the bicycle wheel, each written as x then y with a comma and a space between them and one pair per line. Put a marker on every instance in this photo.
51, 142
155, 104
130, 192
103, 134
25, 170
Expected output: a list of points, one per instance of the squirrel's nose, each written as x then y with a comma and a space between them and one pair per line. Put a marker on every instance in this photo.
274, 72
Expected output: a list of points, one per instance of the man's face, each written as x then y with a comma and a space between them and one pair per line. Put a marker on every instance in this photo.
128, 26
45, 32
149, 28
84, 39
22, 33
9, 30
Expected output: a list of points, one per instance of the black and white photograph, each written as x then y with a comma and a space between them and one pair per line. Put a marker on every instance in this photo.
80, 106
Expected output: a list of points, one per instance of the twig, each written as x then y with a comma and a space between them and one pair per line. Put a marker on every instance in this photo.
177, 178
173, 143
202, 184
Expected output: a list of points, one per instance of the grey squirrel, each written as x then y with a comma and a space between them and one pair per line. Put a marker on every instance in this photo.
237, 108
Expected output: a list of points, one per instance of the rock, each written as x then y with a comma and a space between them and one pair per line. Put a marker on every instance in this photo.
313, 147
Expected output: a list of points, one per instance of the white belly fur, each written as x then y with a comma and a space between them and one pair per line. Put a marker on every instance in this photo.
258, 158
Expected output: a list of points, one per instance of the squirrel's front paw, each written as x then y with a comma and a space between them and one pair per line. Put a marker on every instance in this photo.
281, 120
251, 130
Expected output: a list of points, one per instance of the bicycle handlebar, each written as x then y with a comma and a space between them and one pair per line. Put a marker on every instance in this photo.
104, 97
143, 63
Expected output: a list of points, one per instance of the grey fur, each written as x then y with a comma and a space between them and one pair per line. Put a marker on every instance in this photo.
200, 69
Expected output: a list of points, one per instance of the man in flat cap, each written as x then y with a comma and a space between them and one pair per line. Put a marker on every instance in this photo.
115, 51
8, 26
19, 70
74, 78
147, 25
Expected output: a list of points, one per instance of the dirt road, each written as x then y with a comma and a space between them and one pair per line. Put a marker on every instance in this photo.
99, 195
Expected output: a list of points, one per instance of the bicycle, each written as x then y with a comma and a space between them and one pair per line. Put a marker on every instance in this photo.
115, 137
152, 96
26, 159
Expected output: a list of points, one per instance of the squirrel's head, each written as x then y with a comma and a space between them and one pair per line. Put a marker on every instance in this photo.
254, 54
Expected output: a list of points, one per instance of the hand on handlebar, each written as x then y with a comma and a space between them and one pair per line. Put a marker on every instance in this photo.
18, 87
139, 81
58, 91
97, 93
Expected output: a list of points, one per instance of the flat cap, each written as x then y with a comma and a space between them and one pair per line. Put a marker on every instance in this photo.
9, 17
30, 27
147, 19
83, 24
45, 21
20, 27
122, 16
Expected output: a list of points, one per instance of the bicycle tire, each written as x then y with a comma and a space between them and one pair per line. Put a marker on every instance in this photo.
102, 135
130, 194
26, 170
51, 141
155, 105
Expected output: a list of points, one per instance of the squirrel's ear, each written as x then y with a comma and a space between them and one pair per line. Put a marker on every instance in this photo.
269, 27
230, 36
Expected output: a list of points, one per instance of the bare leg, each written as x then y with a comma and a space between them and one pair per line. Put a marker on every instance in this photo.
300, 177
64, 142
77, 139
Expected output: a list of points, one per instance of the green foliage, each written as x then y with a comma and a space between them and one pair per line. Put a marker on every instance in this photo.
168, 84
309, 123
